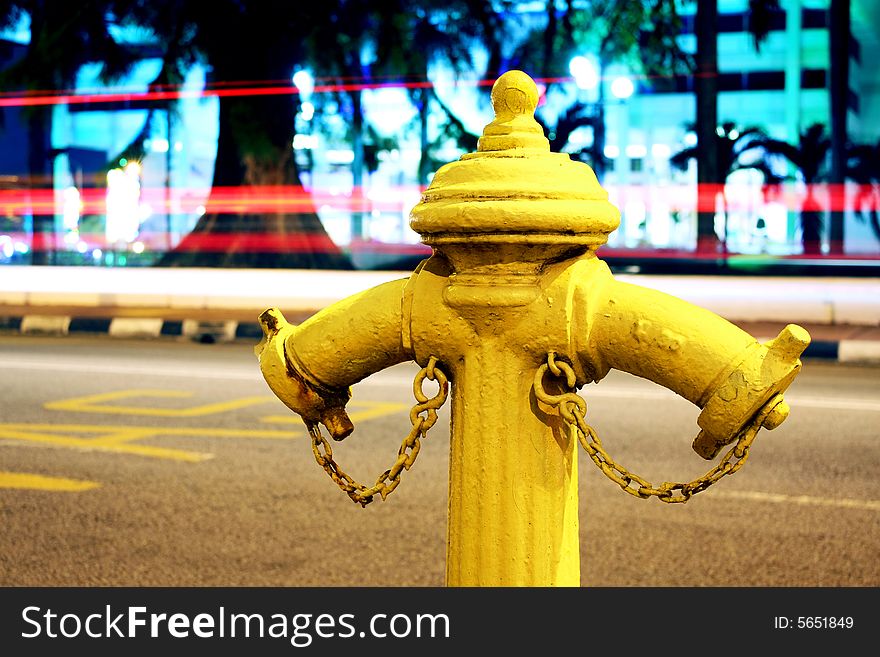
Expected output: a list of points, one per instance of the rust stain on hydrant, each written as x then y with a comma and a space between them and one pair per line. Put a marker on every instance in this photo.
514, 299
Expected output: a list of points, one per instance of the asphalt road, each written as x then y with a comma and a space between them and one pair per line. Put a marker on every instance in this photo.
170, 463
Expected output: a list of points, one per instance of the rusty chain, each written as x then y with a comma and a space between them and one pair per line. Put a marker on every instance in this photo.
573, 410
409, 449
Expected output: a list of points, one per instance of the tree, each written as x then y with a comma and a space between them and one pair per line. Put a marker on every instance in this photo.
863, 167
338, 48
366, 43
808, 156
731, 148
64, 36
413, 36
838, 94
706, 99
642, 35
254, 149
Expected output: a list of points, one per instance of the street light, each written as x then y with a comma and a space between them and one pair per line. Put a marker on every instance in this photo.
584, 72
304, 82
622, 88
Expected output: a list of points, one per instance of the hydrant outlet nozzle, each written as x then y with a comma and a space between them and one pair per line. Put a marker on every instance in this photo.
759, 380
315, 403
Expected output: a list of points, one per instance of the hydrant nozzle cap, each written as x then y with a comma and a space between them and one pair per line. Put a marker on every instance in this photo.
514, 99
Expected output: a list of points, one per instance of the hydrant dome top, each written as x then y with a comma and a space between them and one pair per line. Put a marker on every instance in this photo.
513, 186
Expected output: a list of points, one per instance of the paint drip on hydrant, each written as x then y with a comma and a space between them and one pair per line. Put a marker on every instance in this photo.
516, 313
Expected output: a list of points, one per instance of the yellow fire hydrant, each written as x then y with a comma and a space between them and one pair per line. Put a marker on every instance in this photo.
515, 311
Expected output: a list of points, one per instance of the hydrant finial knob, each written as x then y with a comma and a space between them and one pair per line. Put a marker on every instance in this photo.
514, 99
513, 94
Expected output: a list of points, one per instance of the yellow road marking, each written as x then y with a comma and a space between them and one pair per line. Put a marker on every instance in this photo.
274, 434
372, 411
117, 439
26, 481
97, 404
87, 444
121, 438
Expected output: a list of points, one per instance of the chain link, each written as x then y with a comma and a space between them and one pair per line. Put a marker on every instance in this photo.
573, 410
409, 449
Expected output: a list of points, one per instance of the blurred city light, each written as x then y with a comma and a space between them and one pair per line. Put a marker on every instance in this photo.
622, 87
72, 206
636, 151
661, 151
584, 72
301, 141
158, 145
123, 199
7, 248
304, 82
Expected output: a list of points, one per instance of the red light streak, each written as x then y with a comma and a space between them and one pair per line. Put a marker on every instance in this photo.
294, 199
235, 241
232, 89
303, 243
53, 98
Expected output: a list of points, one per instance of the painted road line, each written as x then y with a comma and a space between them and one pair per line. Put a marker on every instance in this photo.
210, 432
31, 435
95, 404
371, 411
776, 498
26, 481
126, 435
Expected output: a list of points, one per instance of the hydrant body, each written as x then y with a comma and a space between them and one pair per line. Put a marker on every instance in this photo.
515, 277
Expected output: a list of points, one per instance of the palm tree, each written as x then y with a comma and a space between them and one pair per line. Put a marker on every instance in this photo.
364, 42
730, 147
641, 34
412, 36
863, 167
706, 99
808, 156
